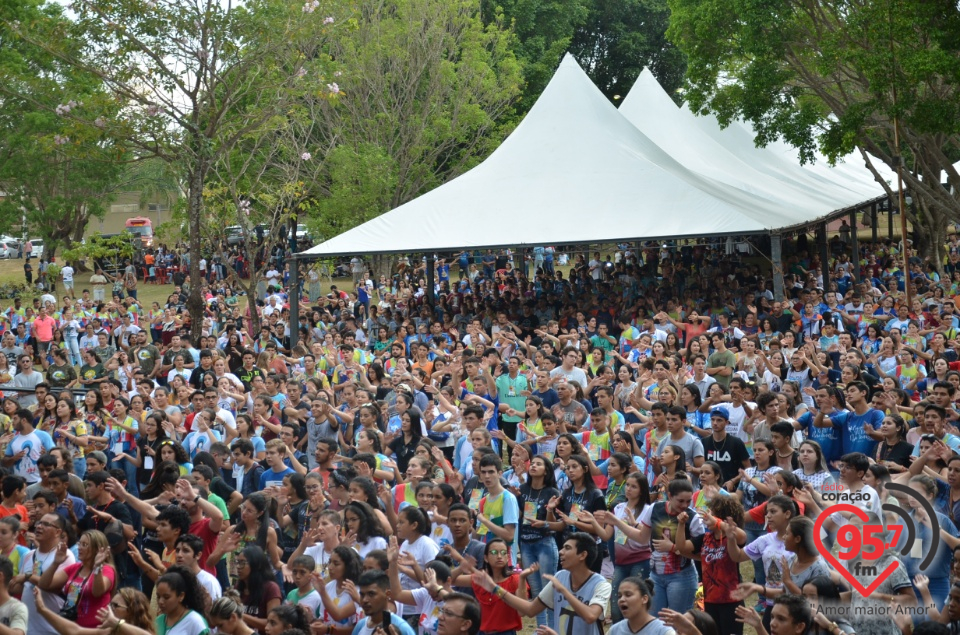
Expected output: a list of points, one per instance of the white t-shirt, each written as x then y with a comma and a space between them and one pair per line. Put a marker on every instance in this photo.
67, 273
190, 624
37, 562
429, 612
375, 542
576, 374
209, 582
423, 551
320, 557
737, 416
771, 549
338, 599
311, 600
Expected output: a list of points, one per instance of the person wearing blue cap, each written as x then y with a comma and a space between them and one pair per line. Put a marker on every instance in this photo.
726, 450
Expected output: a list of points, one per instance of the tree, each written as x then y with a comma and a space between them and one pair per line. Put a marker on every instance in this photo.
427, 88
543, 30
56, 177
191, 79
835, 74
620, 37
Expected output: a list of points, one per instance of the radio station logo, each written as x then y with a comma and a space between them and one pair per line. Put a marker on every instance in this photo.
863, 543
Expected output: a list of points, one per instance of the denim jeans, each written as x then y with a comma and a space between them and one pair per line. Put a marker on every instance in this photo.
543, 551
674, 590
79, 466
620, 573
754, 531
73, 348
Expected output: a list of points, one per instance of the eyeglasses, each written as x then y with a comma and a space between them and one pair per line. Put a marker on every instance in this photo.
117, 607
448, 613
43, 523
499, 552
240, 563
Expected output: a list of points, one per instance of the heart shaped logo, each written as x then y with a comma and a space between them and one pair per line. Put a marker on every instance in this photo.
844, 507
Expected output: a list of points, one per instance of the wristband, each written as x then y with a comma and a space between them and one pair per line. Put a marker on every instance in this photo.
119, 625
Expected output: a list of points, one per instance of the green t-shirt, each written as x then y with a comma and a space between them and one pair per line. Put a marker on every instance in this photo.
720, 360
216, 500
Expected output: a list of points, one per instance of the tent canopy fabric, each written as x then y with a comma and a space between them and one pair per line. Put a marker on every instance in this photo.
736, 160
576, 171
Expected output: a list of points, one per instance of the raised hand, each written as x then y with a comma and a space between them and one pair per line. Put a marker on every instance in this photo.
482, 579
748, 616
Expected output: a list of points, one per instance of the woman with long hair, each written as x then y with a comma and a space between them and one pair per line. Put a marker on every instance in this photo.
339, 609
894, 451
253, 529
770, 549
149, 440
362, 489
581, 496
292, 507
413, 530
127, 614
180, 602
362, 527
673, 460
813, 465
537, 544
88, 583
257, 585
45, 416
721, 574
71, 434
630, 558
673, 575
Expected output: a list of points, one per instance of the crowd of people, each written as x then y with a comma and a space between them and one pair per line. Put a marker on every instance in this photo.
600, 445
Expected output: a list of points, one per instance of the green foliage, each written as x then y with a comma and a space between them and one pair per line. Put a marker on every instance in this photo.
620, 37
427, 88
58, 172
833, 75
543, 30
99, 247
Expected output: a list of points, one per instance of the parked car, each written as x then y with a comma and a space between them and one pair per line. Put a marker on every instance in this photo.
37, 244
234, 235
9, 247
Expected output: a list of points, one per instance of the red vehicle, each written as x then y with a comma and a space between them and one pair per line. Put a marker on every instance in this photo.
142, 227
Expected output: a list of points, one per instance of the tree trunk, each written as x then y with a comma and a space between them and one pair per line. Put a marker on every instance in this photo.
194, 210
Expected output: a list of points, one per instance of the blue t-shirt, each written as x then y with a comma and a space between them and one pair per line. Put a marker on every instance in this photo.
854, 431
269, 477
828, 438
397, 622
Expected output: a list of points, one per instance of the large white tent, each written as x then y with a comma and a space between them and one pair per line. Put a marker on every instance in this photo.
730, 155
576, 171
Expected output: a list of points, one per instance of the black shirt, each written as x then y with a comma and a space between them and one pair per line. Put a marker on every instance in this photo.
729, 454
899, 453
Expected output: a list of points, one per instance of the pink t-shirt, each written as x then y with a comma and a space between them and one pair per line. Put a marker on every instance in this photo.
43, 328
87, 605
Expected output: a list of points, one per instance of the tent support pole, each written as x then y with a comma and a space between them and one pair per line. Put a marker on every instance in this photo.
431, 286
855, 242
890, 218
824, 255
776, 258
294, 302
874, 221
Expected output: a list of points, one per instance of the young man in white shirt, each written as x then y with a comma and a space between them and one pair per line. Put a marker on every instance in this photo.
188, 549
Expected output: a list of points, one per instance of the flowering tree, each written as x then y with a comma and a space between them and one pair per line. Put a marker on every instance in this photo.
190, 80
